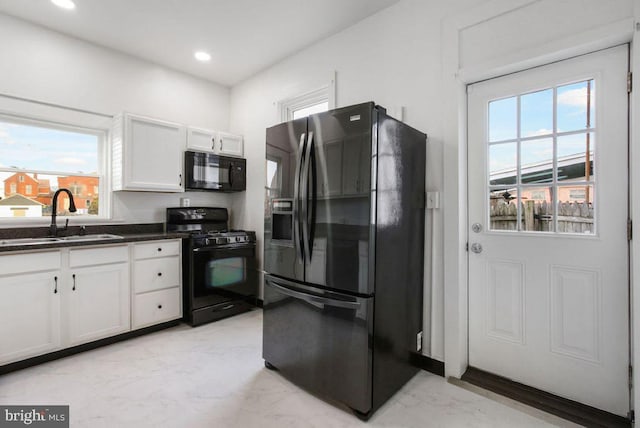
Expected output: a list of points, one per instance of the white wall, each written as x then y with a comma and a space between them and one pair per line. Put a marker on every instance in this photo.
410, 55
392, 58
46, 66
493, 39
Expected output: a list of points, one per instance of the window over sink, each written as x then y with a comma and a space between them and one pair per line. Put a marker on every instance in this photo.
38, 157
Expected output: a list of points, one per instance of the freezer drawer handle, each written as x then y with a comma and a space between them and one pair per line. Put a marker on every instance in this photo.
315, 299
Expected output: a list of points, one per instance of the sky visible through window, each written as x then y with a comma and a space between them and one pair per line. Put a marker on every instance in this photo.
536, 120
306, 111
44, 149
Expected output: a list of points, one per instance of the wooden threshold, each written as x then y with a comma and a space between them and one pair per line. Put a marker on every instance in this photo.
550, 403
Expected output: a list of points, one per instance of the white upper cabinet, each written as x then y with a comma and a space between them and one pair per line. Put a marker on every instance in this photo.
218, 142
201, 139
230, 144
147, 154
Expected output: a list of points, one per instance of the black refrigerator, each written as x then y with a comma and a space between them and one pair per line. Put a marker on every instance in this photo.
343, 254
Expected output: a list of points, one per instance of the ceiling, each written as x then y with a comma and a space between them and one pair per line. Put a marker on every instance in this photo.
243, 36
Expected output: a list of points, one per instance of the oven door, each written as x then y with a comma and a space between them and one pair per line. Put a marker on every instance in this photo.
222, 274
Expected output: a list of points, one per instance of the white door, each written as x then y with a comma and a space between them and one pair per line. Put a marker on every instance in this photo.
548, 250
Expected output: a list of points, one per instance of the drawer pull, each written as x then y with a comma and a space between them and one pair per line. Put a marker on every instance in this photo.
159, 273
159, 306
159, 249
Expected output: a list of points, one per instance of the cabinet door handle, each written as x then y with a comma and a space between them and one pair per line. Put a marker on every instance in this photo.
220, 144
55, 281
180, 177
159, 273
213, 143
74, 282
159, 306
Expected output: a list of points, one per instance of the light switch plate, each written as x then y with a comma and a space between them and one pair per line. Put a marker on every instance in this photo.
433, 200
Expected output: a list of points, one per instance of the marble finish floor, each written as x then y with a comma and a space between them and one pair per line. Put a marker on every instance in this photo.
214, 376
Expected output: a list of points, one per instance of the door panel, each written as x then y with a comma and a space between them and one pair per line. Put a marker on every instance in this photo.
548, 260
342, 138
283, 152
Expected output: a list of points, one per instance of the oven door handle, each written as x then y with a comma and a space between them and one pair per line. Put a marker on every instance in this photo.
235, 247
313, 299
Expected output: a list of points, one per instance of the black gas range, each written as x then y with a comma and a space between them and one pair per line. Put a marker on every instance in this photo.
219, 266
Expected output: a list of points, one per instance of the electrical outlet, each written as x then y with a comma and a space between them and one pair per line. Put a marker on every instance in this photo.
419, 341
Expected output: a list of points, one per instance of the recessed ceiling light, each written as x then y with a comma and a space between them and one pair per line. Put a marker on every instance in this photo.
202, 56
65, 4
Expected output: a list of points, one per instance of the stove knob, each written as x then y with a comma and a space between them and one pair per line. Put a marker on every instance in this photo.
206, 241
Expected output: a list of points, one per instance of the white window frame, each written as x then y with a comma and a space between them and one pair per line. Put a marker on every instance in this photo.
63, 119
324, 93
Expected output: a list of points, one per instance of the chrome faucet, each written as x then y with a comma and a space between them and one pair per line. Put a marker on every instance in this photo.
53, 229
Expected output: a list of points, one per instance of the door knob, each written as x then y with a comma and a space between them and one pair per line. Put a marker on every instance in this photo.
476, 227
476, 248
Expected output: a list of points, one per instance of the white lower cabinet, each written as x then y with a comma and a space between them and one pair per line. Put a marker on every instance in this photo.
157, 291
29, 314
156, 307
51, 300
97, 294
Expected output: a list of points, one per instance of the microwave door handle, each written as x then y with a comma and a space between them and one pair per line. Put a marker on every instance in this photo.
230, 174
296, 201
310, 298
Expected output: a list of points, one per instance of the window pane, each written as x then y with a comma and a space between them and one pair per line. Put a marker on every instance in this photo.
536, 161
537, 209
576, 106
536, 113
503, 211
45, 149
272, 178
575, 209
575, 157
503, 119
503, 161
306, 111
17, 201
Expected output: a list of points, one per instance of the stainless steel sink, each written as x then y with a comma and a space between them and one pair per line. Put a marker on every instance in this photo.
27, 241
96, 237
50, 240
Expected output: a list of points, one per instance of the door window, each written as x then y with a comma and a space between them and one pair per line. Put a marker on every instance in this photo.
541, 155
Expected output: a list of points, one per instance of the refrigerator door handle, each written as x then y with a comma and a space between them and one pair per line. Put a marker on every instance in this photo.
313, 299
305, 197
297, 237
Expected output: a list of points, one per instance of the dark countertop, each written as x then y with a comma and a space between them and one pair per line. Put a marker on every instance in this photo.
129, 233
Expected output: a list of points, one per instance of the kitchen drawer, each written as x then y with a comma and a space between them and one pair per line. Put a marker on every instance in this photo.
156, 274
156, 307
98, 256
156, 249
30, 262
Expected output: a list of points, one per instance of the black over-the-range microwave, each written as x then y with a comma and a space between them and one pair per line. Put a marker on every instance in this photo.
208, 171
